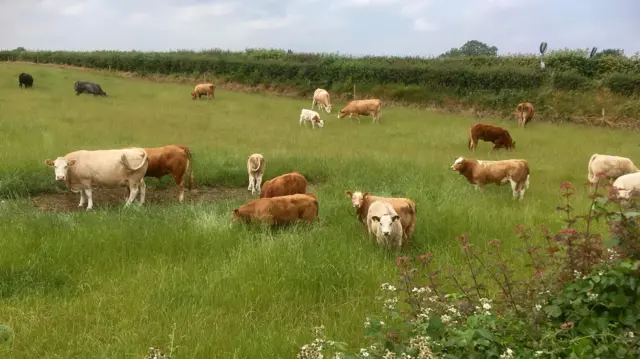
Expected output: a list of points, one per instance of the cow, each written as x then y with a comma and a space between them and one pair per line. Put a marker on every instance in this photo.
371, 107
609, 167
404, 207
311, 116
83, 170
628, 186
25, 79
279, 210
88, 88
286, 184
174, 160
490, 133
203, 89
384, 223
524, 113
255, 168
479, 173
322, 99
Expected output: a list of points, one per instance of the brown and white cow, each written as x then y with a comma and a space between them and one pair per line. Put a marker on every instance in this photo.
279, 210
404, 207
384, 223
255, 168
286, 184
524, 113
322, 99
203, 89
370, 107
479, 173
81, 171
490, 133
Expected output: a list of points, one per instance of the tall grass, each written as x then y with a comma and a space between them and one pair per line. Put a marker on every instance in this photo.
113, 282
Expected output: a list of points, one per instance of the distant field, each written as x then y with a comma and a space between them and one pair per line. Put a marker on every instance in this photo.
113, 282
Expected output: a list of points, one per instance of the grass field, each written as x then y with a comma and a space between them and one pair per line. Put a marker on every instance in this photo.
112, 282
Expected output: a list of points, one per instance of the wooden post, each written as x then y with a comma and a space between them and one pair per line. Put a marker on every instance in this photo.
354, 91
603, 112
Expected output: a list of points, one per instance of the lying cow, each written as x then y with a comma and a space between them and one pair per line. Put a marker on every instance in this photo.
279, 210
312, 117
25, 79
322, 99
203, 89
384, 223
83, 170
88, 88
628, 186
480, 173
404, 207
490, 133
286, 184
371, 107
255, 168
524, 113
609, 167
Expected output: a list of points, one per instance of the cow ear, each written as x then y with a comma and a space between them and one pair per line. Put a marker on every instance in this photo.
365, 195
236, 211
375, 218
71, 163
348, 193
395, 218
48, 162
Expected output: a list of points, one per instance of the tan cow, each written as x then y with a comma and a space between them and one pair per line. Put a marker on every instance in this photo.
286, 184
371, 107
479, 173
384, 223
203, 89
404, 207
255, 168
322, 99
83, 170
279, 210
611, 167
524, 113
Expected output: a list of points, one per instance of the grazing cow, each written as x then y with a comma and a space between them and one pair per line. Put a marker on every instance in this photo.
255, 168
628, 185
370, 107
490, 133
279, 210
524, 113
322, 99
25, 79
611, 167
174, 159
311, 116
82, 170
404, 207
286, 184
384, 223
480, 173
88, 88
203, 89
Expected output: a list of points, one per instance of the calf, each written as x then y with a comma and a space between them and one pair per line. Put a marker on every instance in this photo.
82, 170
88, 88
203, 89
279, 210
628, 185
384, 223
311, 116
490, 133
286, 184
322, 99
255, 168
524, 113
25, 79
404, 207
480, 173
609, 167
362, 107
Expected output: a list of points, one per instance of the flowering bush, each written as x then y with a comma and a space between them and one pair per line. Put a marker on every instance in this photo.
579, 299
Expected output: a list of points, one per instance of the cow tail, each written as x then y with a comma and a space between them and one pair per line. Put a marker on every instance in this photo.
470, 138
190, 157
591, 176
213, 91
253, 162
526, 183
125, 161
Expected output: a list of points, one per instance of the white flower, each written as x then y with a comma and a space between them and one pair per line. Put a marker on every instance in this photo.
445, 318
630, 334
538, 307
364, 352
381, 323
367, 322
486, 306
508, 354
387, 286
539, 352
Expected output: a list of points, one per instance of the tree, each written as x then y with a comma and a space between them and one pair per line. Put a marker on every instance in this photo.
472, 48
20, 49
610, 52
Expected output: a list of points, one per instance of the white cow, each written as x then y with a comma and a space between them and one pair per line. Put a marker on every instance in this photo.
82, 170
611, 166
628, 185
322, 99
255, 168
384, 223
311, 116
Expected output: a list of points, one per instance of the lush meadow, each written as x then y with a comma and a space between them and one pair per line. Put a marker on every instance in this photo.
112, 282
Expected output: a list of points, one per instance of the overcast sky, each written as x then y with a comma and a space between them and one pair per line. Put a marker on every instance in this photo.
381, 27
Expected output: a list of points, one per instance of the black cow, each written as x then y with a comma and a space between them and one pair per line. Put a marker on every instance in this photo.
25, 79
88, 88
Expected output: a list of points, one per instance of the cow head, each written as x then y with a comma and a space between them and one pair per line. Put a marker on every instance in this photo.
318, 121
459, 164
61, 166
328, 108
385, 222
513, 146
356, 198
235, 215
193, 95
342, 113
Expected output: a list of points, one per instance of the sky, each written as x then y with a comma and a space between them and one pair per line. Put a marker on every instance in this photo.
357, 27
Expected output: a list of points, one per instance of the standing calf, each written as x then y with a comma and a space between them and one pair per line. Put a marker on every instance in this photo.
25, 79
384, 223
311, 116
255, 168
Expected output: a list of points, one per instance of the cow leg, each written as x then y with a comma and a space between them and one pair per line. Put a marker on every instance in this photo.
143, 191
514, 188
89, 194
313, 103
81, 198
179, 178
251, 183
134, 192
258, 183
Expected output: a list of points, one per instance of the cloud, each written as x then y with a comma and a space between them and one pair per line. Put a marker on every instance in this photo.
401, 27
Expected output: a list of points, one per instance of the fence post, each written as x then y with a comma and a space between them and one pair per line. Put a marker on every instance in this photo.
354, 91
